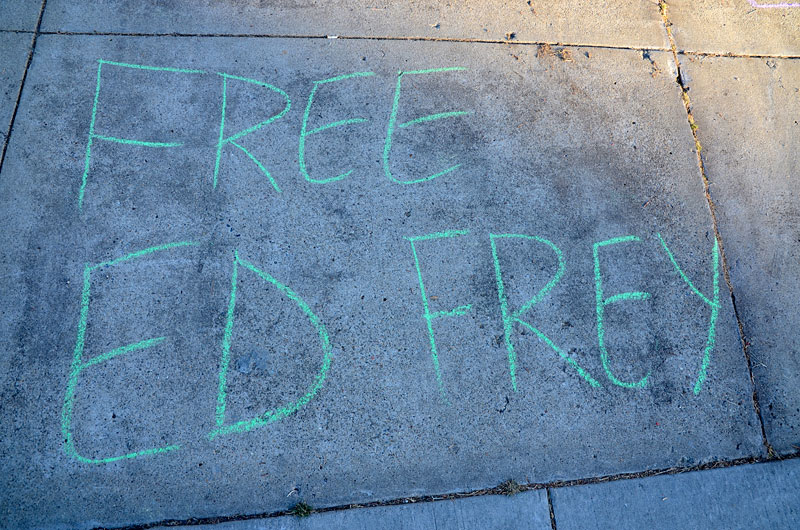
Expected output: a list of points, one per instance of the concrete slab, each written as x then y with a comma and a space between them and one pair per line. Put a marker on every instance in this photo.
636, 23
19, 15
741, 497
757, 27
14, 48
527, 510
118, 309
747, 112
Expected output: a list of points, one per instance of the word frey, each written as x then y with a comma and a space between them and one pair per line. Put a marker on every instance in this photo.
512, 317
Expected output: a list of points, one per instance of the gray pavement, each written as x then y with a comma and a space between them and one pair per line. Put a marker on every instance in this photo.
19, 15
746, 27
246, 271
742, 497
634, 24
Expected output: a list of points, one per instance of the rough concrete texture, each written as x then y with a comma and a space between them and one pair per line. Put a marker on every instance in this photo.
19, 15
527, 510
747, 113
743, 497
635, 23
736, 26
556, 144
14, 48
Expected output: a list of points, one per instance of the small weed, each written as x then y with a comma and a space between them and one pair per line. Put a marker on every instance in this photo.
510, 487
544, 51
301, 509
565, 55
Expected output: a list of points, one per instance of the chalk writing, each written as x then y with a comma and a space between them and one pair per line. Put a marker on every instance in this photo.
603, 302
427, 315
387, 147
305, 133
235, 139
78, 364
509, 318
508, 315
232, 139
713, 304
280, 412
93, 136
781, 4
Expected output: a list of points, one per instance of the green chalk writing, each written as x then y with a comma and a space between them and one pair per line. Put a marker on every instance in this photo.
432, 117
123, 349
509, 317
223, 140
140, 253
226, 345
137, 142
79, 364
713, 304
525, 316
280, 412
304, 132
156, 68
427, 315
94, 136
387, 147
602, 302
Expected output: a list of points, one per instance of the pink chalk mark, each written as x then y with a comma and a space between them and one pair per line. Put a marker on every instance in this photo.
764, 6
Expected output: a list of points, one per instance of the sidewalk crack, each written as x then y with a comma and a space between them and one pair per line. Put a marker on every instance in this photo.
36, 33
663, 8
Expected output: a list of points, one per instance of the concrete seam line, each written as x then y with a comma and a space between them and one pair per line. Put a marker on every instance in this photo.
550, 507
22, 84
738, 55
408, 38
662, 6
350, 37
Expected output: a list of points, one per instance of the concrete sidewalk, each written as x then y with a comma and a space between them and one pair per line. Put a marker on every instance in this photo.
257, 254
746, 496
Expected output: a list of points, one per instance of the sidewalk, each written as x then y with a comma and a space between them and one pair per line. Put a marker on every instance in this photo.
264, 253
746, 496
